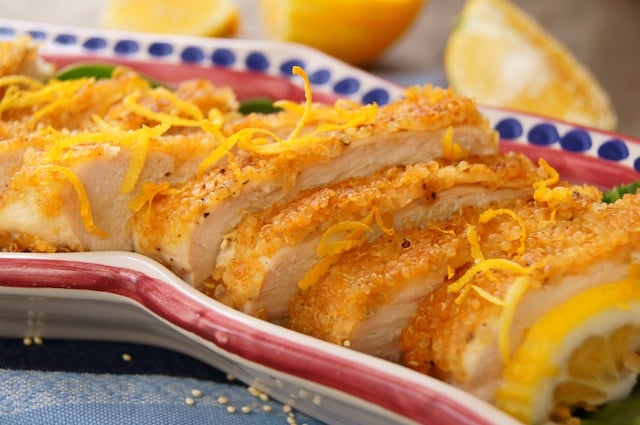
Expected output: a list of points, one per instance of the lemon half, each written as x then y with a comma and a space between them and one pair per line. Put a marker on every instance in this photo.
501, 56
582, 353
216, 18
355, 31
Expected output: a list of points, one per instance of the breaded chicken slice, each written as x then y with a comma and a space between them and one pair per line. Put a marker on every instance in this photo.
20, 56
34, 114
74, 195
184, 227
75, 202
264, 258
532, 259
369, 295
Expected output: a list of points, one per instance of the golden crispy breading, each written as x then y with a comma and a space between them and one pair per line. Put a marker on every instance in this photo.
20, 57
63, 133
249, 276
189, 221
206, 96
423, 108
366, 279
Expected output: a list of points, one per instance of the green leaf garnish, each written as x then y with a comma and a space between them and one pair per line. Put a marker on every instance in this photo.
618, 191
92, 70
260, 105
623, 412
87, 70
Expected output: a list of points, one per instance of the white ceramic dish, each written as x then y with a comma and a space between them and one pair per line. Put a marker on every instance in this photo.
126, 297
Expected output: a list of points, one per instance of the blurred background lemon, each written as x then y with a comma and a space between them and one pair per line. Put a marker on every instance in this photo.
355, 31
501, 56
216, 18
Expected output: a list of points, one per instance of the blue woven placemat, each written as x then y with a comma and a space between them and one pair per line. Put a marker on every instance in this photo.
77, 382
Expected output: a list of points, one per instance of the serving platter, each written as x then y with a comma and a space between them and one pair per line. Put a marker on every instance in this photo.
120, 296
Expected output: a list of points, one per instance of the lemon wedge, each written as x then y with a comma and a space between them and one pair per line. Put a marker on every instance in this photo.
215, 18
501, 56
355, 31
582, 353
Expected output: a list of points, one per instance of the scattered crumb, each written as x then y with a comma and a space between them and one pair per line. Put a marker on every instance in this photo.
126, 357
37, 340
245, 409
266, 408
190, 401
231, 409
223, 400
196, 393
27, 341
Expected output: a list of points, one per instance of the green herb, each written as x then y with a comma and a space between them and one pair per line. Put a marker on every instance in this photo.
74, 72
623, 412
91, 70
618, 191
260, 105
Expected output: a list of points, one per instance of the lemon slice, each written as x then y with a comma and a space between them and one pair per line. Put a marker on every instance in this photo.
499, 55
582, 353
216, 18
355, 31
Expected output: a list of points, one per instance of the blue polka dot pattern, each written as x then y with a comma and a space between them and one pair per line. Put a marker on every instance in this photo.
319, 77
347, 86
352, 83
38, 35
95, 43
257, 61
576, 141
65, 39
509, 128
192, 55
543, 134
126, 47
160, 49
223, 57
379, 96
613, 150
636, 164
287, 66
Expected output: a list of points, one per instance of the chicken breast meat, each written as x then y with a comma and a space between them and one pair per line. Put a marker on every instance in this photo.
552, 251
263, 260
432, 298
75, 155
185, 227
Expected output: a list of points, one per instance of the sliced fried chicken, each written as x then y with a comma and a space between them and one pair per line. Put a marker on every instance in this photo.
184, 228
264, 258
76, 155
75, 202
464, 330
20, 57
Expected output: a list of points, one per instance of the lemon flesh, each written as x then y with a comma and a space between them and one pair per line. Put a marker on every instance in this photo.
580, 354
355, 31
499, 55
216, 18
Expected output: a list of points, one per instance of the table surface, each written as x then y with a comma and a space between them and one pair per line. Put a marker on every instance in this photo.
602, 34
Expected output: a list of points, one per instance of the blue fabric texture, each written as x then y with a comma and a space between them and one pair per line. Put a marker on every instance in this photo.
124, 384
